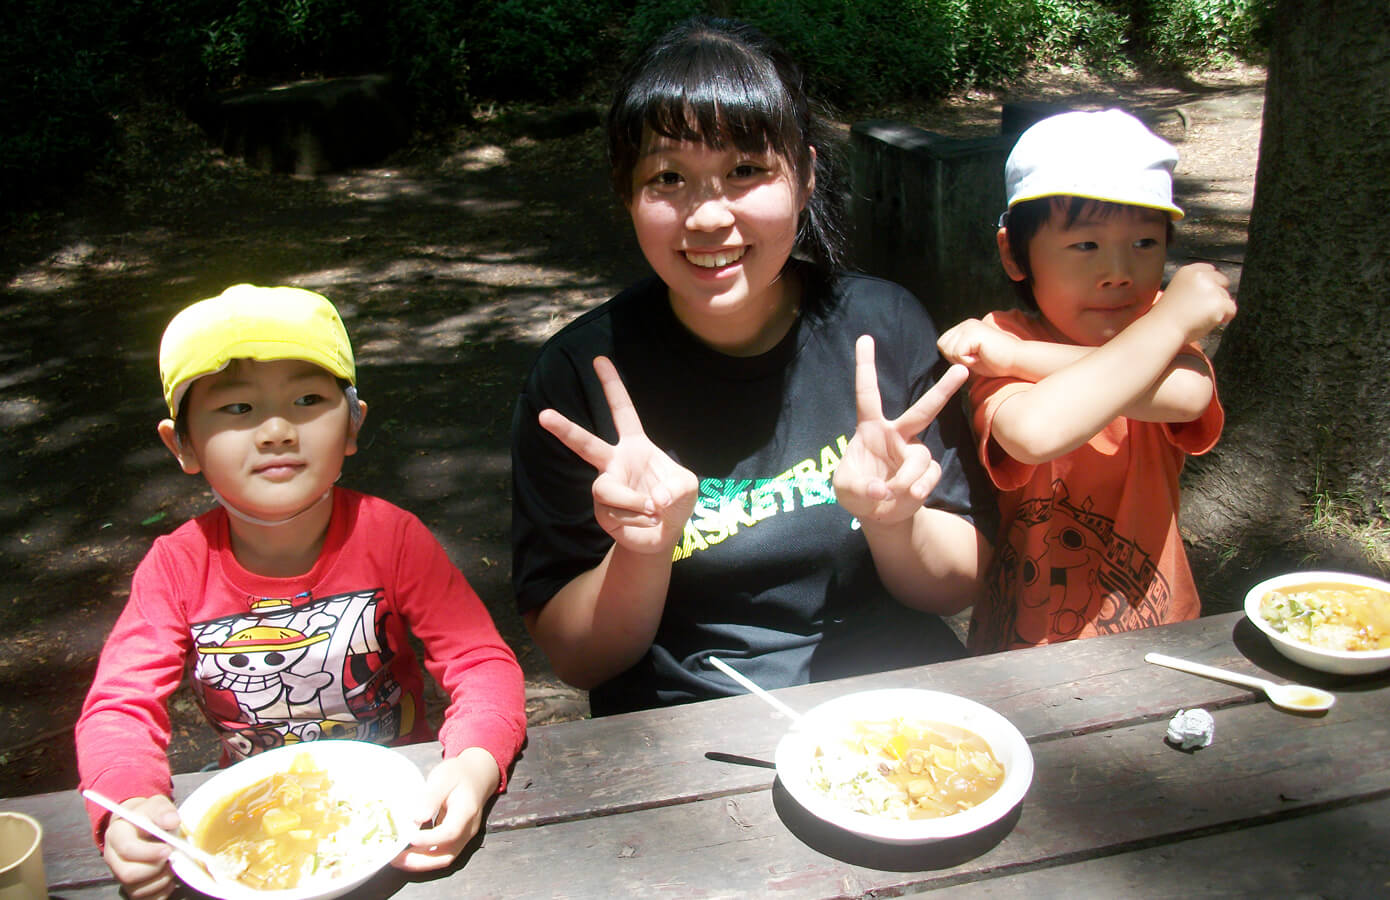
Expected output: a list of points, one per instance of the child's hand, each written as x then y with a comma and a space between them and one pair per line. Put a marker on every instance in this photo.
886, 472
455, 793
642, 497
987, 351
140, 861
1198, 301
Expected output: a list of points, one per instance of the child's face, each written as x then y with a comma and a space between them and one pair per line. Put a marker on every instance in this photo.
270, 437
717, 226
1096, 276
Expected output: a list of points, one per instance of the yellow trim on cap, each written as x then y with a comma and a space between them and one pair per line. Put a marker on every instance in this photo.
1172, 209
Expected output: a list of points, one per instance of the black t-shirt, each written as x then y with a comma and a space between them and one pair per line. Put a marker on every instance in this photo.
772, 573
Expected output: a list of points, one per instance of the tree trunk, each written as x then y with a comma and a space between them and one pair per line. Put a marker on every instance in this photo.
1304, 369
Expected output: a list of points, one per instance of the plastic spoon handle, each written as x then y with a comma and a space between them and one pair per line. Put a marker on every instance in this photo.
144, 824
1196, 668
776, 704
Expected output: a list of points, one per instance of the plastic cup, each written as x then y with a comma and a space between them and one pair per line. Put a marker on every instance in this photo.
21, 858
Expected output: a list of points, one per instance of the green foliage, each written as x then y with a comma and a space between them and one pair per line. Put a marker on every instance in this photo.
863, 53
429, 53
1079, 32
288, 38
860, 53
539, 49
70, 65
1191, 34
55, 108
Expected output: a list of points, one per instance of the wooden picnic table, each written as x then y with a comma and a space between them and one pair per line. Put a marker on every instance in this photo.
634, 804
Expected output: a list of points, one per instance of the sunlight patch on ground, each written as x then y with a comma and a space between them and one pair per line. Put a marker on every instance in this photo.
387, 187
64, 269
528, 316
18, 411
477, 159
37, 372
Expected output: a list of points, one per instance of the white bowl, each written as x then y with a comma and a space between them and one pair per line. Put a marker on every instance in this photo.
1338, 662
356, 767
797, 747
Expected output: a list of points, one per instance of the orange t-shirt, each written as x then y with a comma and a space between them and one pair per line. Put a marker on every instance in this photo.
1088, 543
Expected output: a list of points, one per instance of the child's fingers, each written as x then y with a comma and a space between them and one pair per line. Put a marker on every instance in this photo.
436, 846
587, 446
139, 863
922, 413
131, 845
429, 856
157, 888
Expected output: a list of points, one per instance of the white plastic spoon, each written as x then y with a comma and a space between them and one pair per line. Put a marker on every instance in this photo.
776, 704
1296, 697
217, 868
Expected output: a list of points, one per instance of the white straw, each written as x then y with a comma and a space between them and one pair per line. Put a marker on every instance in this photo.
781, 707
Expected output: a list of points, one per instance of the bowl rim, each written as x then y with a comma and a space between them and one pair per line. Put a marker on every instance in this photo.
1004, 738
1256, 594
393, 775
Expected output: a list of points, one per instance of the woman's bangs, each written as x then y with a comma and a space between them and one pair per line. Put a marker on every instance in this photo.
724, 103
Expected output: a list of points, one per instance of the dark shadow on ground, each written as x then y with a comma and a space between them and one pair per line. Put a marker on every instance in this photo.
448, 282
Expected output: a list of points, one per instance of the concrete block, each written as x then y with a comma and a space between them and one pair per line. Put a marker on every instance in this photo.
310, 127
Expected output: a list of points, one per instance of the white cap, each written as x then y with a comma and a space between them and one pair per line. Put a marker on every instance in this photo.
1108, 156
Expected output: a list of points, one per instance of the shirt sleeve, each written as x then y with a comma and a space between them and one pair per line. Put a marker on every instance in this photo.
986, 396
463, 651
123, 731
555, 537
1201, 434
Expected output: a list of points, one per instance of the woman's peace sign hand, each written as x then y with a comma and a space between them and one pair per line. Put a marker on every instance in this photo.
642, 497
887, 472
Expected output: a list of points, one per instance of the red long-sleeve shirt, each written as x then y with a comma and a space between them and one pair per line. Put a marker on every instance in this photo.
324, 654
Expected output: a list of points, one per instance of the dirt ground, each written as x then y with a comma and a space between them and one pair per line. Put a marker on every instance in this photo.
451, 264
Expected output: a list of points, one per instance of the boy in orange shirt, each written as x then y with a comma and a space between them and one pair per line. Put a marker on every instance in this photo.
1086, 403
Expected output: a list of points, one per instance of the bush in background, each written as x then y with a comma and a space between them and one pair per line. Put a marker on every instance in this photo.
1193, 34
60, 85
540, 49
70, 65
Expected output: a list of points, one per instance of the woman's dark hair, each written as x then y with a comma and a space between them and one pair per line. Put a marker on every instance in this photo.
1026, 218
717, 82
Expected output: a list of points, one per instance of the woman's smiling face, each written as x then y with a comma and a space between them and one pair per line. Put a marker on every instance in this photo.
717, 226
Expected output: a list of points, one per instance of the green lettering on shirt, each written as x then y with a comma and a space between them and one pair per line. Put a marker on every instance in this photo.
725, 507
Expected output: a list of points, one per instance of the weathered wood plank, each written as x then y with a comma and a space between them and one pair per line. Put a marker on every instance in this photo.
1097, 800
1095, 796
657, 757
1333, 853
642, 761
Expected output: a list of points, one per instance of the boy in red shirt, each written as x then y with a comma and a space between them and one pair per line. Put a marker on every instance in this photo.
1086, 403
291, 605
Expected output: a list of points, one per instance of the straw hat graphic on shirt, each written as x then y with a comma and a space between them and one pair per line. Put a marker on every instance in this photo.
266, 639
286, 671
253, 664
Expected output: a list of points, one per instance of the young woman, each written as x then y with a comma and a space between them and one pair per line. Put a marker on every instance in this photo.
707, 464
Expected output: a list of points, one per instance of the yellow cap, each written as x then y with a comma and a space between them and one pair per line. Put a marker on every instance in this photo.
249, 322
